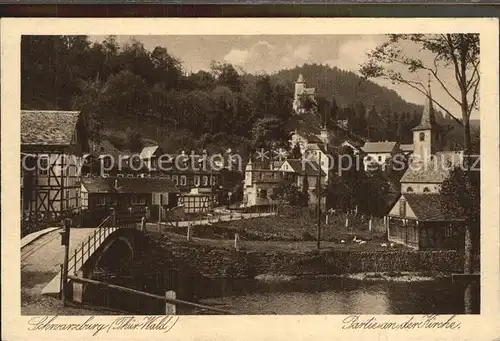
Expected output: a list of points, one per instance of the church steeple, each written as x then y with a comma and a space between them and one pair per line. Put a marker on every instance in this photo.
428, 120
426, 134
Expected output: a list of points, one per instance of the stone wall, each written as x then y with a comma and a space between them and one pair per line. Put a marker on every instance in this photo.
214, 262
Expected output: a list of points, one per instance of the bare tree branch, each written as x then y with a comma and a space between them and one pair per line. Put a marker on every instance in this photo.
474, 98
414, 86
454, 58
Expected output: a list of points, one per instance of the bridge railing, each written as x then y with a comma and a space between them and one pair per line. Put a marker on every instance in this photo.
83, 251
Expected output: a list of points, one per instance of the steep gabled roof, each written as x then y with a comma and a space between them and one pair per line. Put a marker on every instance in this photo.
430, 207
48, 127
98, 185
434, 170
148, 152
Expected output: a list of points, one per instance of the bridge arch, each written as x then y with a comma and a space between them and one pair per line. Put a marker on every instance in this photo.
105, 249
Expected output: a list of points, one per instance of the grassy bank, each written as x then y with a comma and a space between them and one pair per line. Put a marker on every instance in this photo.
299, 228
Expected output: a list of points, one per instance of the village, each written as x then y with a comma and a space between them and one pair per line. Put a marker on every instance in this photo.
279, 213
188, 185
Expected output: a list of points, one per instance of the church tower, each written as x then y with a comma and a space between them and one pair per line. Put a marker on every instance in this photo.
300, 85
426, 134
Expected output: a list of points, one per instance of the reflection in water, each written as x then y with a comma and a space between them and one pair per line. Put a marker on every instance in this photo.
339, 296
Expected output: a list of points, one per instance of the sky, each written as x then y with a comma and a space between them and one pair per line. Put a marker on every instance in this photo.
271, 53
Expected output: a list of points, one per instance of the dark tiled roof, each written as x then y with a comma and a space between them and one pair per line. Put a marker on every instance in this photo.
379, 147
98, 185
129, 185
47, 127
146, 185
430, 207
432, 171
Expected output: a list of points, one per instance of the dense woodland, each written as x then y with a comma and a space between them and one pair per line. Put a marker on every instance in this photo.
136, 96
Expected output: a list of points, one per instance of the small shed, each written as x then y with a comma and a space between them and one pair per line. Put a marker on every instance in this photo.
422, 221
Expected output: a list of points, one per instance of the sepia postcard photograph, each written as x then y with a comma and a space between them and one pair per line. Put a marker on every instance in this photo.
319, 170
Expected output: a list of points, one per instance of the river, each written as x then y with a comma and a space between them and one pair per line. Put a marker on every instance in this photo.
336, 296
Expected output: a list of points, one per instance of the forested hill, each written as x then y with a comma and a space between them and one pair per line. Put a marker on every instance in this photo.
134, 95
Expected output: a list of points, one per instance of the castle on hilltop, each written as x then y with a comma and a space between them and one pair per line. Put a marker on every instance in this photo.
302, 96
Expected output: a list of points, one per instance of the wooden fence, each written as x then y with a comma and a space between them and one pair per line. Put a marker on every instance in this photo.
170, 302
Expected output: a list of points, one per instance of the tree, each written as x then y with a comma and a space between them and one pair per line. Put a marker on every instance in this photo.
334, 110
288, 193
305, 190
267, 131
460, 51
226, 75
134, 140
296, 153
462, 191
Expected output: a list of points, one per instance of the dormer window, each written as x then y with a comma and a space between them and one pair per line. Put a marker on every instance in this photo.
422, 136
426, 190
409, 190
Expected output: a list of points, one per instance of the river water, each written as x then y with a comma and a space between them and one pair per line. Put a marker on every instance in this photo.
337, 296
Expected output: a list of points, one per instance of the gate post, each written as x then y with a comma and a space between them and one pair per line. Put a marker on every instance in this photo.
170, 307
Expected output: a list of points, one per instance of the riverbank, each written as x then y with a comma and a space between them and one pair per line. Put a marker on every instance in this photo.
218, 259
400, 277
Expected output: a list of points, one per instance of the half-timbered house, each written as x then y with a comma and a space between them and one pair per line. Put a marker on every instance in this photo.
52, 147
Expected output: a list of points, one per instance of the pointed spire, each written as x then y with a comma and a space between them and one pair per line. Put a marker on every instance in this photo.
428, 120
300, 79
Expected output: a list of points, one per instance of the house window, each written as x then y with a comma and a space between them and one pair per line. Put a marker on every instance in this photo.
138, 199
379, 158
409, 189
196, 180
426, 190
402, 208
175, 179
263, 193
101, 200
44, 165
214, 180
422, 136
204, 180
107, 162
183, 180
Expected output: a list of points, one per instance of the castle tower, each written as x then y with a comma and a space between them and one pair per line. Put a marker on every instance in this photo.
300, 85
249, 173
426, 134
325, 135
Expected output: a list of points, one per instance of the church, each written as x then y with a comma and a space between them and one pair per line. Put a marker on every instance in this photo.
419, 218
